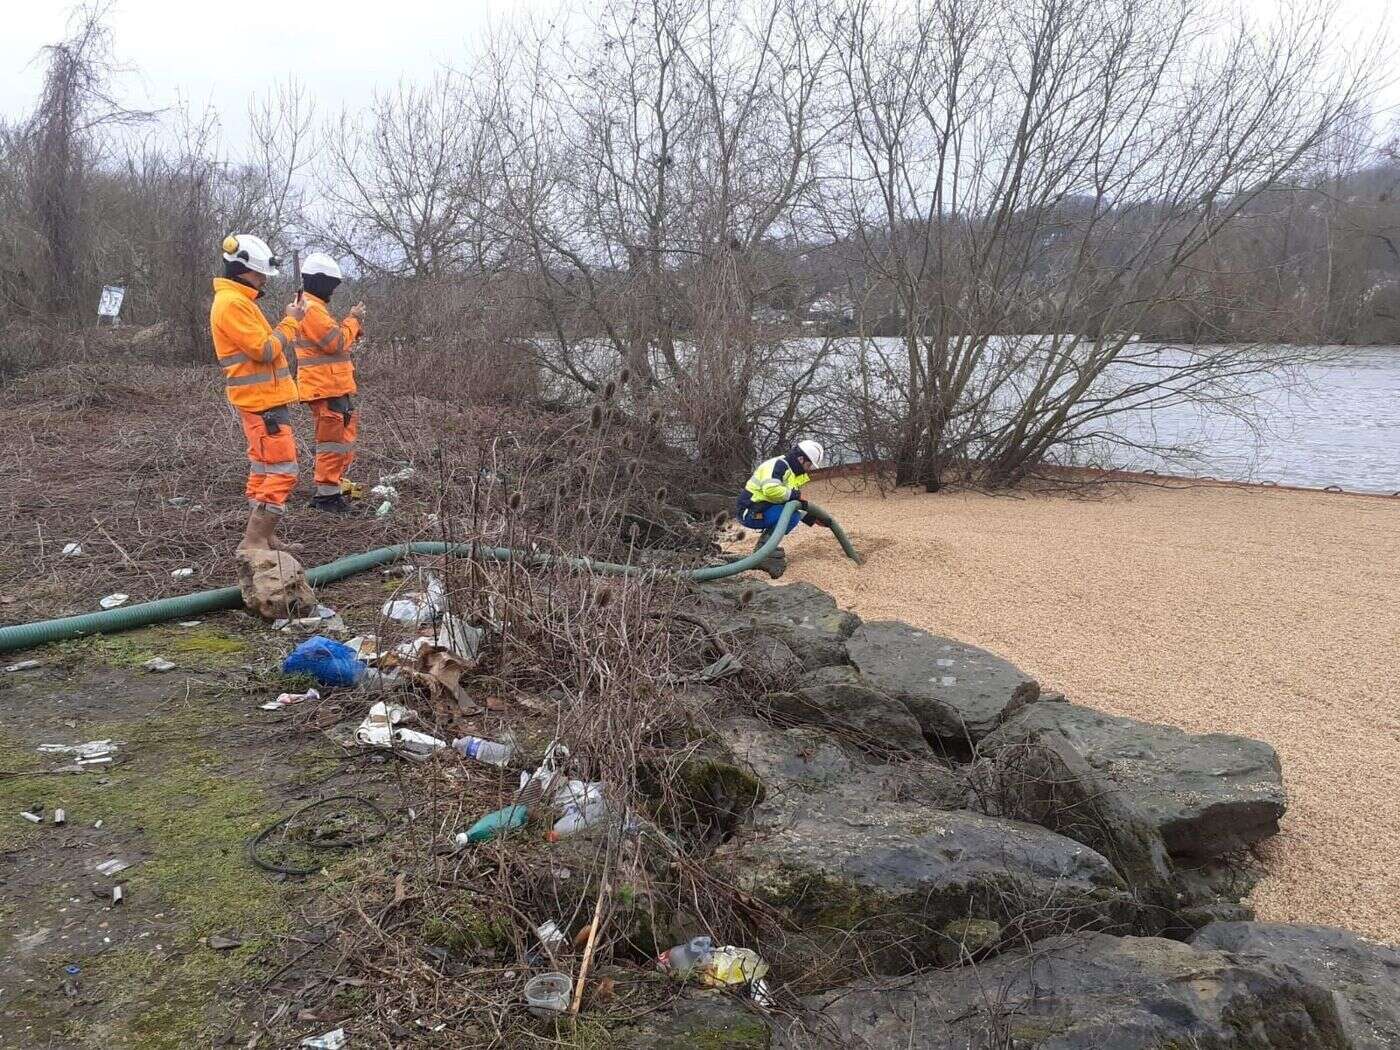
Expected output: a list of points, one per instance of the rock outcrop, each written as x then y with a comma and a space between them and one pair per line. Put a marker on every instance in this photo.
1361, 977
1206, 795
958, 693
832, 850
840, 698
1083, 992
804, 617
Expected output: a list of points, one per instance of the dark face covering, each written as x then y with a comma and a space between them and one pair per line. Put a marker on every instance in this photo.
236, 271
319, 285
798, 459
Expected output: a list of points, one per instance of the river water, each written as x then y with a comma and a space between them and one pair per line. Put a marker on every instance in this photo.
1339, 425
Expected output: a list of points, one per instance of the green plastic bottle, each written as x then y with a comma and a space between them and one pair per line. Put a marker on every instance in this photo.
494, 824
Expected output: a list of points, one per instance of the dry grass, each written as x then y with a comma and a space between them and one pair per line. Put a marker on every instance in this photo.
1217, 609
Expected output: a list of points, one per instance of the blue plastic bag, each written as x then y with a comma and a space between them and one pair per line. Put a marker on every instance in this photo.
327, 660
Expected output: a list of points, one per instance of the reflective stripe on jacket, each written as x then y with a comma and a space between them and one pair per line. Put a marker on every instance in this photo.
324, 367
774, 482
251, 352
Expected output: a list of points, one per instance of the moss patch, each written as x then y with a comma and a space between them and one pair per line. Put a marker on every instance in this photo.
182, 816
200, 649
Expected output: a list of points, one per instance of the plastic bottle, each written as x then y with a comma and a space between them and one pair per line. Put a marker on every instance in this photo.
683, 958
576, 818
488, 751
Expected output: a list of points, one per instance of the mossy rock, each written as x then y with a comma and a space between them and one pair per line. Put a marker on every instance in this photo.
700, 793
701, 1020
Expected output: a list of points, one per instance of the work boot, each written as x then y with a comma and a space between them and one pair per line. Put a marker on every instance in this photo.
258, 533
336, 504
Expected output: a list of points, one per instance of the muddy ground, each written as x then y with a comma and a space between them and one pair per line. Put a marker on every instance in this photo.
199, 769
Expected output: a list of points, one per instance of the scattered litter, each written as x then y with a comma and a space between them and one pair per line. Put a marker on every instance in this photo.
398, 475
731, 966
948, 679
385, 492
181, 574
548, 993
332, 1040
381, 729
223, 942
488, 751
365, 646
72, 550
551, 936
412, 609
60, 817
326, 660
585, 807
288, 699
494, 824
418, 607
70, 980
23, 665
680, 960
97, 824
92, 751
158, 664
178, 501
118, 893
111, 867
190, 623
944, 662
440, 672
541, 783
382, 511
114, 600
33, 818
458, 637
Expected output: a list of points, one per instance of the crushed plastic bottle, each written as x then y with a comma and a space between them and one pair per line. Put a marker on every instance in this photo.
682, 960
584, 808
729, 966
482, 750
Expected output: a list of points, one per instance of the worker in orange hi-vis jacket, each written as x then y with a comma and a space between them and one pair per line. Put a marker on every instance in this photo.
258, 381
326, 376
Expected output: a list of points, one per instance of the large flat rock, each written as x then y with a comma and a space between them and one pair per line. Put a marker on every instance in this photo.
1082, 992
804, 617
895, 875
1207, 794
1361, 976
840, 699
959, 693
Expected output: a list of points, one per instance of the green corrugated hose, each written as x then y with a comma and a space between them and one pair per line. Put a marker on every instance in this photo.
109, 621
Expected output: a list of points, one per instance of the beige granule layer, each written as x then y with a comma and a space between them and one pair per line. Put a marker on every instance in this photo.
1271, 613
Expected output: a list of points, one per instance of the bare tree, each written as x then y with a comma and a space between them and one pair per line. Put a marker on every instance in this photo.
60, 148
1061, 167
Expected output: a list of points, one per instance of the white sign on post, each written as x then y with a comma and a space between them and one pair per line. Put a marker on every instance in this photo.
110, 305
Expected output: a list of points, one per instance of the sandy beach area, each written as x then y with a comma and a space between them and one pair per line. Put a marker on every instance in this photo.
1266, 612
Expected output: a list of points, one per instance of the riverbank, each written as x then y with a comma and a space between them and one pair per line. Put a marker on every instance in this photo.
1214, 608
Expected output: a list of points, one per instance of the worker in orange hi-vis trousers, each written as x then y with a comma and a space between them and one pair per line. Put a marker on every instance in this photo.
258, 381
326, 376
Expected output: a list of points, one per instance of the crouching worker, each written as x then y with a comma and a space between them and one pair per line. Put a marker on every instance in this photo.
326, 375
776, 482
257, 381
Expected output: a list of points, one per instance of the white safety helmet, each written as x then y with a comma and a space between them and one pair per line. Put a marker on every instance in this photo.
323, 264
252, 252
814, 452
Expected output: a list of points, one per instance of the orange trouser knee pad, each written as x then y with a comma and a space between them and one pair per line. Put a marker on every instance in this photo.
272, 463
335, 445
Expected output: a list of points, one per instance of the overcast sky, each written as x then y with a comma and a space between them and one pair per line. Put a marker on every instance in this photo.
343, 49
